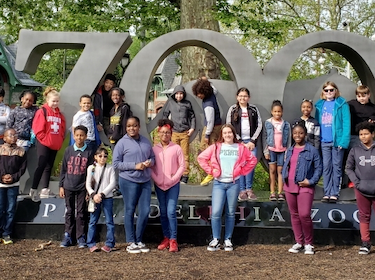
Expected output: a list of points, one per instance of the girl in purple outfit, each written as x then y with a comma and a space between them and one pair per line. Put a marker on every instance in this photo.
301, 171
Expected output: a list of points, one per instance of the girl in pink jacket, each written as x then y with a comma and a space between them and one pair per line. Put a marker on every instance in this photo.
166, 173
226, 161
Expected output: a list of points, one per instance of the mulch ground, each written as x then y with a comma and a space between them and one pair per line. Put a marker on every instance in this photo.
21, 261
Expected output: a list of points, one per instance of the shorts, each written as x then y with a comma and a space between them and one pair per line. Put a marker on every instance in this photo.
277, 157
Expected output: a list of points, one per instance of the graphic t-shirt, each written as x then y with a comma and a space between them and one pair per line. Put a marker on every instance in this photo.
85, 119
228, 158
278, 136
245, 124
326, 122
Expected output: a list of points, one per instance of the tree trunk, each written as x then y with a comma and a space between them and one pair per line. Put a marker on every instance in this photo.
197, 61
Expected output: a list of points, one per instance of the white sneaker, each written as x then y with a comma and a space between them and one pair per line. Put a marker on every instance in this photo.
143, 247
46, 193
214, 245
133, 248
228, 246
309, 249
296, 248
34, 195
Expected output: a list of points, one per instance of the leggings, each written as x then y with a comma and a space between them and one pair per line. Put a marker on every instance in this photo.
46, 158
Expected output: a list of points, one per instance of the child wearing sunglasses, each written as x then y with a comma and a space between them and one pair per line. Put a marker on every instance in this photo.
333, 115
100, 182
312, 125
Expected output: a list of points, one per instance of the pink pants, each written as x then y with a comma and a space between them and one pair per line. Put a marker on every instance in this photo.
364, 204
300, 215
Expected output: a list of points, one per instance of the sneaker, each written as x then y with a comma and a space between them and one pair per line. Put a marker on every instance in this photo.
164, 244
214, 245
94, 249
7, 240
273, 197
173, 246
46, 193
228, 246
133, 248
184, 179
281, 197
106, 249
82, 242
143, 247
34, 195
67, 241
207, 180
116, 192
365, 248
309, 249
296, 248
351, 185
242, 196
251, 195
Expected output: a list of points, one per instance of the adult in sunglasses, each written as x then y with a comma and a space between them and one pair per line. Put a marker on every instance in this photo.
333, 115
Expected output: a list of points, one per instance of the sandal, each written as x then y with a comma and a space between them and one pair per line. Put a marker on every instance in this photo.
333, 199
273, 197
325, 199
281, 197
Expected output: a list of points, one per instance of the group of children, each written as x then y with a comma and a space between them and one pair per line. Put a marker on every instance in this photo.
318, 148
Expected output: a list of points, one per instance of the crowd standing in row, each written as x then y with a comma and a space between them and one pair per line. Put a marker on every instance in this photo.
227, 155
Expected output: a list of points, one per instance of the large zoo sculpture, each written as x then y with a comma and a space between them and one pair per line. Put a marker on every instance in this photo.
103, 51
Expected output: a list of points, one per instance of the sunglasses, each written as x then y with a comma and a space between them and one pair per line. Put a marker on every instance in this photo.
307, 100
330, 89
105, 156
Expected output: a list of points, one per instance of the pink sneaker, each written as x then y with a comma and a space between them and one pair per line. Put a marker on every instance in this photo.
106, 249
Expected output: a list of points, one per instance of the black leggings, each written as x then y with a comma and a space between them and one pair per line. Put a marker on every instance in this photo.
46, 158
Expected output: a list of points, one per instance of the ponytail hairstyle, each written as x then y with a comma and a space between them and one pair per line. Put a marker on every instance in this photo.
277, 103
50, 92
300, 123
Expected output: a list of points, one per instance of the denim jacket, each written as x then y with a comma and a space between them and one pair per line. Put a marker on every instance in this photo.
309, 165
268, 135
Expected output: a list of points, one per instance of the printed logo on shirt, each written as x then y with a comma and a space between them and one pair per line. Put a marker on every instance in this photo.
229, 152
327, 119
363, 160
77, 165
55, 123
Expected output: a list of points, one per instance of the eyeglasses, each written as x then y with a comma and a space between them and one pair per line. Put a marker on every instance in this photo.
243, 96
12, 135
329, 89
105, 156
165, 132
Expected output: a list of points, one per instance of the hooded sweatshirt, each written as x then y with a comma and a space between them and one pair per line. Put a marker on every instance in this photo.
360, 168
49, 129
169, 165
182, 113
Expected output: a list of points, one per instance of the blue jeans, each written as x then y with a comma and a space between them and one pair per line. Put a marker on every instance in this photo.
224, 194
107, 205
8, 203
246, 182
167, 204
135, 194
332, 169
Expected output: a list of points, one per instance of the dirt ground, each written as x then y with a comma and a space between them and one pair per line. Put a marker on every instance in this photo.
21, 261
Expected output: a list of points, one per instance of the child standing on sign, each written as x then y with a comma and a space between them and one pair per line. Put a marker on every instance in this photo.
12, 166
100, 183
276, 139
119, 115
49, 128
332, 112
183, 117
301, 172
360, 169
311, 124
21, 118
245, 118
86, 118
212, 120
72, 186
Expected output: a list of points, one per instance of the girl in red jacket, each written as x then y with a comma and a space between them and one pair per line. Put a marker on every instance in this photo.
226, 161
49, 129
